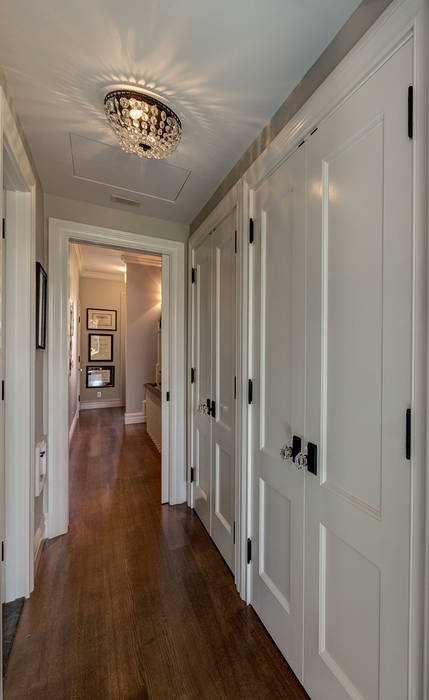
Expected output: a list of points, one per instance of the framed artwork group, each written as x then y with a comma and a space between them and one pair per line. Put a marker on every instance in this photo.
100, 347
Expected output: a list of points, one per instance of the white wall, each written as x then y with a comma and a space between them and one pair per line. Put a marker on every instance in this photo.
143, 312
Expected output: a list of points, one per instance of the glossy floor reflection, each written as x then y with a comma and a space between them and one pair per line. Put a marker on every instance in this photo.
135, 601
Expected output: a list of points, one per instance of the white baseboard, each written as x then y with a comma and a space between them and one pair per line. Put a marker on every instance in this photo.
138, 417
112, 403
73, 425
39, 538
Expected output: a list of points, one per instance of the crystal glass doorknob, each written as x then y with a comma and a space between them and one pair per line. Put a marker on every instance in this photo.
301, 460
286, 453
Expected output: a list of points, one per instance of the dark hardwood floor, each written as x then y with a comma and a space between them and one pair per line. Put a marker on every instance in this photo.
135, 601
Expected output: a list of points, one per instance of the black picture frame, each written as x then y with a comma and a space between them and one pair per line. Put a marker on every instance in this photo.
91, 369
41, 297
101, 328
100, 359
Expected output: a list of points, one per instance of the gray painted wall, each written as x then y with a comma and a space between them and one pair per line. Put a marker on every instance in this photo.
96, 215
143, 312
40, 414
102, 294
356, 26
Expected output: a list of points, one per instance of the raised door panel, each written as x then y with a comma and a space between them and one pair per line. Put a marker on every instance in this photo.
278, 406
358, 390
224, 343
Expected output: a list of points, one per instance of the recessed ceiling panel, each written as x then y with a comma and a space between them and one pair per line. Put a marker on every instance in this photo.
109, 165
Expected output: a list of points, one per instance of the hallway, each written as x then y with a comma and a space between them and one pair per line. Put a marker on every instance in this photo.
135, 602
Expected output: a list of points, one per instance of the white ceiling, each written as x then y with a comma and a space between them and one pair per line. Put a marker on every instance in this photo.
108, 263
224, 66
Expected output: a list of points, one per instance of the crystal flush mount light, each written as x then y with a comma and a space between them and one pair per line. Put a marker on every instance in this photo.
143, 124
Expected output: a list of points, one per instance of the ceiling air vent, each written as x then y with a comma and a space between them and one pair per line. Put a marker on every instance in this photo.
124, 200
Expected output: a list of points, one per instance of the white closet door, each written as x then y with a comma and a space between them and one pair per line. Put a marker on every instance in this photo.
223, 427
358, 391
278, 411
203, 388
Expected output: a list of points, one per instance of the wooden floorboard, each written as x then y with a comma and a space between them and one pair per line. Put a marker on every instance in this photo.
135, 601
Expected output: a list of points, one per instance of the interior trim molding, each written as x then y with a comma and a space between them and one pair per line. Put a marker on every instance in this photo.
109, 403
138, 417
73, 424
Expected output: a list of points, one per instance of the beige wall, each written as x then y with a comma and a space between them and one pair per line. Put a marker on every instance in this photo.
103, 294
74, 350
143, 312
96, 215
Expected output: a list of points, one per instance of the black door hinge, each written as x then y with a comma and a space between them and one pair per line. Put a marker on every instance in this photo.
78, 398
408, 434
193, 275
249, 550
312, 458
251, 231
2, 389
192, 375
213, 409
235, 387
192, 474
410, 111
3, 228
233, 533
235, 242
168, 396
2, 551
301, 144
250, 392
78, 357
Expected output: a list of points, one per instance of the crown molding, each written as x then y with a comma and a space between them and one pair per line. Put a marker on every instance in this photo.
143, 259
112, 276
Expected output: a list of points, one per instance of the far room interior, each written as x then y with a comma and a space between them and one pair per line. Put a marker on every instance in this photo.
115, 330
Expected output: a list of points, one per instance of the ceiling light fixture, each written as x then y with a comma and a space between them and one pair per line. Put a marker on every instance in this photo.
142, 124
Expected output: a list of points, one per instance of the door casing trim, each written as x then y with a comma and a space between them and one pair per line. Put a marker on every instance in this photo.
62, 232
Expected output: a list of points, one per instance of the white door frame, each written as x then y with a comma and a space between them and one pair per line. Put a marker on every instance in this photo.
60, 234
20, 358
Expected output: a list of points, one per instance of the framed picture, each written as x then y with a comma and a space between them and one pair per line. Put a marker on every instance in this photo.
100, 347
97, 377
101, 319
41, 294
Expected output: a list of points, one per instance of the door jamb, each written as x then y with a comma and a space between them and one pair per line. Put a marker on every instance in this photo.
60, 234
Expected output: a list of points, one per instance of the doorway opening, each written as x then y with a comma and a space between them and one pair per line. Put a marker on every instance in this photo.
115, 349
172, 396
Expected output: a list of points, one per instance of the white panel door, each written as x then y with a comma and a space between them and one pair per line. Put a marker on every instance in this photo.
203, 381
358, 391
223, 409
278, 410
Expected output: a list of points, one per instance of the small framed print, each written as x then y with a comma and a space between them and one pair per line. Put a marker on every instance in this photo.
100, 347
101, 319
41, 294
99, 377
